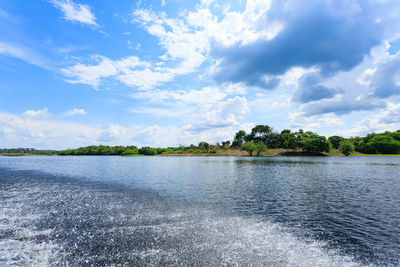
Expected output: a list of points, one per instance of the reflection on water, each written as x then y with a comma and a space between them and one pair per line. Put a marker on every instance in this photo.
200, 210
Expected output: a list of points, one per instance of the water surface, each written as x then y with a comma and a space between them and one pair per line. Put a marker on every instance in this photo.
283, 211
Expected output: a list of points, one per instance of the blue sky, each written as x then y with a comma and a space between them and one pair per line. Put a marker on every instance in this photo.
165, 73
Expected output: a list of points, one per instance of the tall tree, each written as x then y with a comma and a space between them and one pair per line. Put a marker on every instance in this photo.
239, 138
335, 141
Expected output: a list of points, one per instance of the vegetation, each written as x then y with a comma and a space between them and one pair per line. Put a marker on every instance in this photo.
249, 147
26, 151
130, 152
335, 141
258, 141
346, 147
383, 143
97, 150
149, 151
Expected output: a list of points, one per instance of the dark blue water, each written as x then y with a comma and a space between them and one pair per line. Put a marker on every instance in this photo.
297, 211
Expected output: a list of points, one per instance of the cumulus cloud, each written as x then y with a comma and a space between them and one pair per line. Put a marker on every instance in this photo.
31, 130
301, 48
309, 89
311, 123
74, 112
385, 78
219, 115
75, 12
391, 115
22, 131
103, 67
40, 113
385, 120
200, 110
180, 41
115, 131
341, 106
330, 35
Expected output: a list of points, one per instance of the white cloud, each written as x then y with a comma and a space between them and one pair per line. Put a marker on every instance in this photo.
205, 95
186, 43
28, 131
219, 115
22, 53
75, 12
22, 131
185, 52
40, 113
105, 67
113, 132
385, 120
75, 111
157, 112
311, 123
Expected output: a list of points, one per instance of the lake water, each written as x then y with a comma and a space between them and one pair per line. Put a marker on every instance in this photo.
202, 211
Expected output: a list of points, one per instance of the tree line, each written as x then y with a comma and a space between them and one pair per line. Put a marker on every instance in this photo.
258, 140
312, 143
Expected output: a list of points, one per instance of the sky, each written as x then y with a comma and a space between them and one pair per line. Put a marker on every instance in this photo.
167, 73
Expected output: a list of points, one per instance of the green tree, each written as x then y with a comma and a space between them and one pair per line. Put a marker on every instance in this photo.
261, 147
204, 145
314, 143
225, 144
346, 147
288, 140
239, 138
249, 147
260, 133
335, 141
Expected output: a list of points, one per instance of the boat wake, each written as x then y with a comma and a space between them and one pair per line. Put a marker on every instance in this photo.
56, 221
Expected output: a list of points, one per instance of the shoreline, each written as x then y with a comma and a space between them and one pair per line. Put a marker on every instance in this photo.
229, 153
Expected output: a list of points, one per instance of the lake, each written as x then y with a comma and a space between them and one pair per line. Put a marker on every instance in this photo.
204, 211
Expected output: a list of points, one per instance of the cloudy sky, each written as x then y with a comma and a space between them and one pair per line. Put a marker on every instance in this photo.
162, 73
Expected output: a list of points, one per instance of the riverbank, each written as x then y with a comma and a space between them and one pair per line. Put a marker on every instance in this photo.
275, 152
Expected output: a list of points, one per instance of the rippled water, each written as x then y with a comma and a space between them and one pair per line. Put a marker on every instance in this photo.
292, 211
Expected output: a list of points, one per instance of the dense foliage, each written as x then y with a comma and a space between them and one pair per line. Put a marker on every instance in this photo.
383, 143
296, 141
335, 141
309, 142
97, 150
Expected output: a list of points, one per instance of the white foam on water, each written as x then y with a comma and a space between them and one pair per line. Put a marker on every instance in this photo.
181, 236
243, 241
18, 245
233, 241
